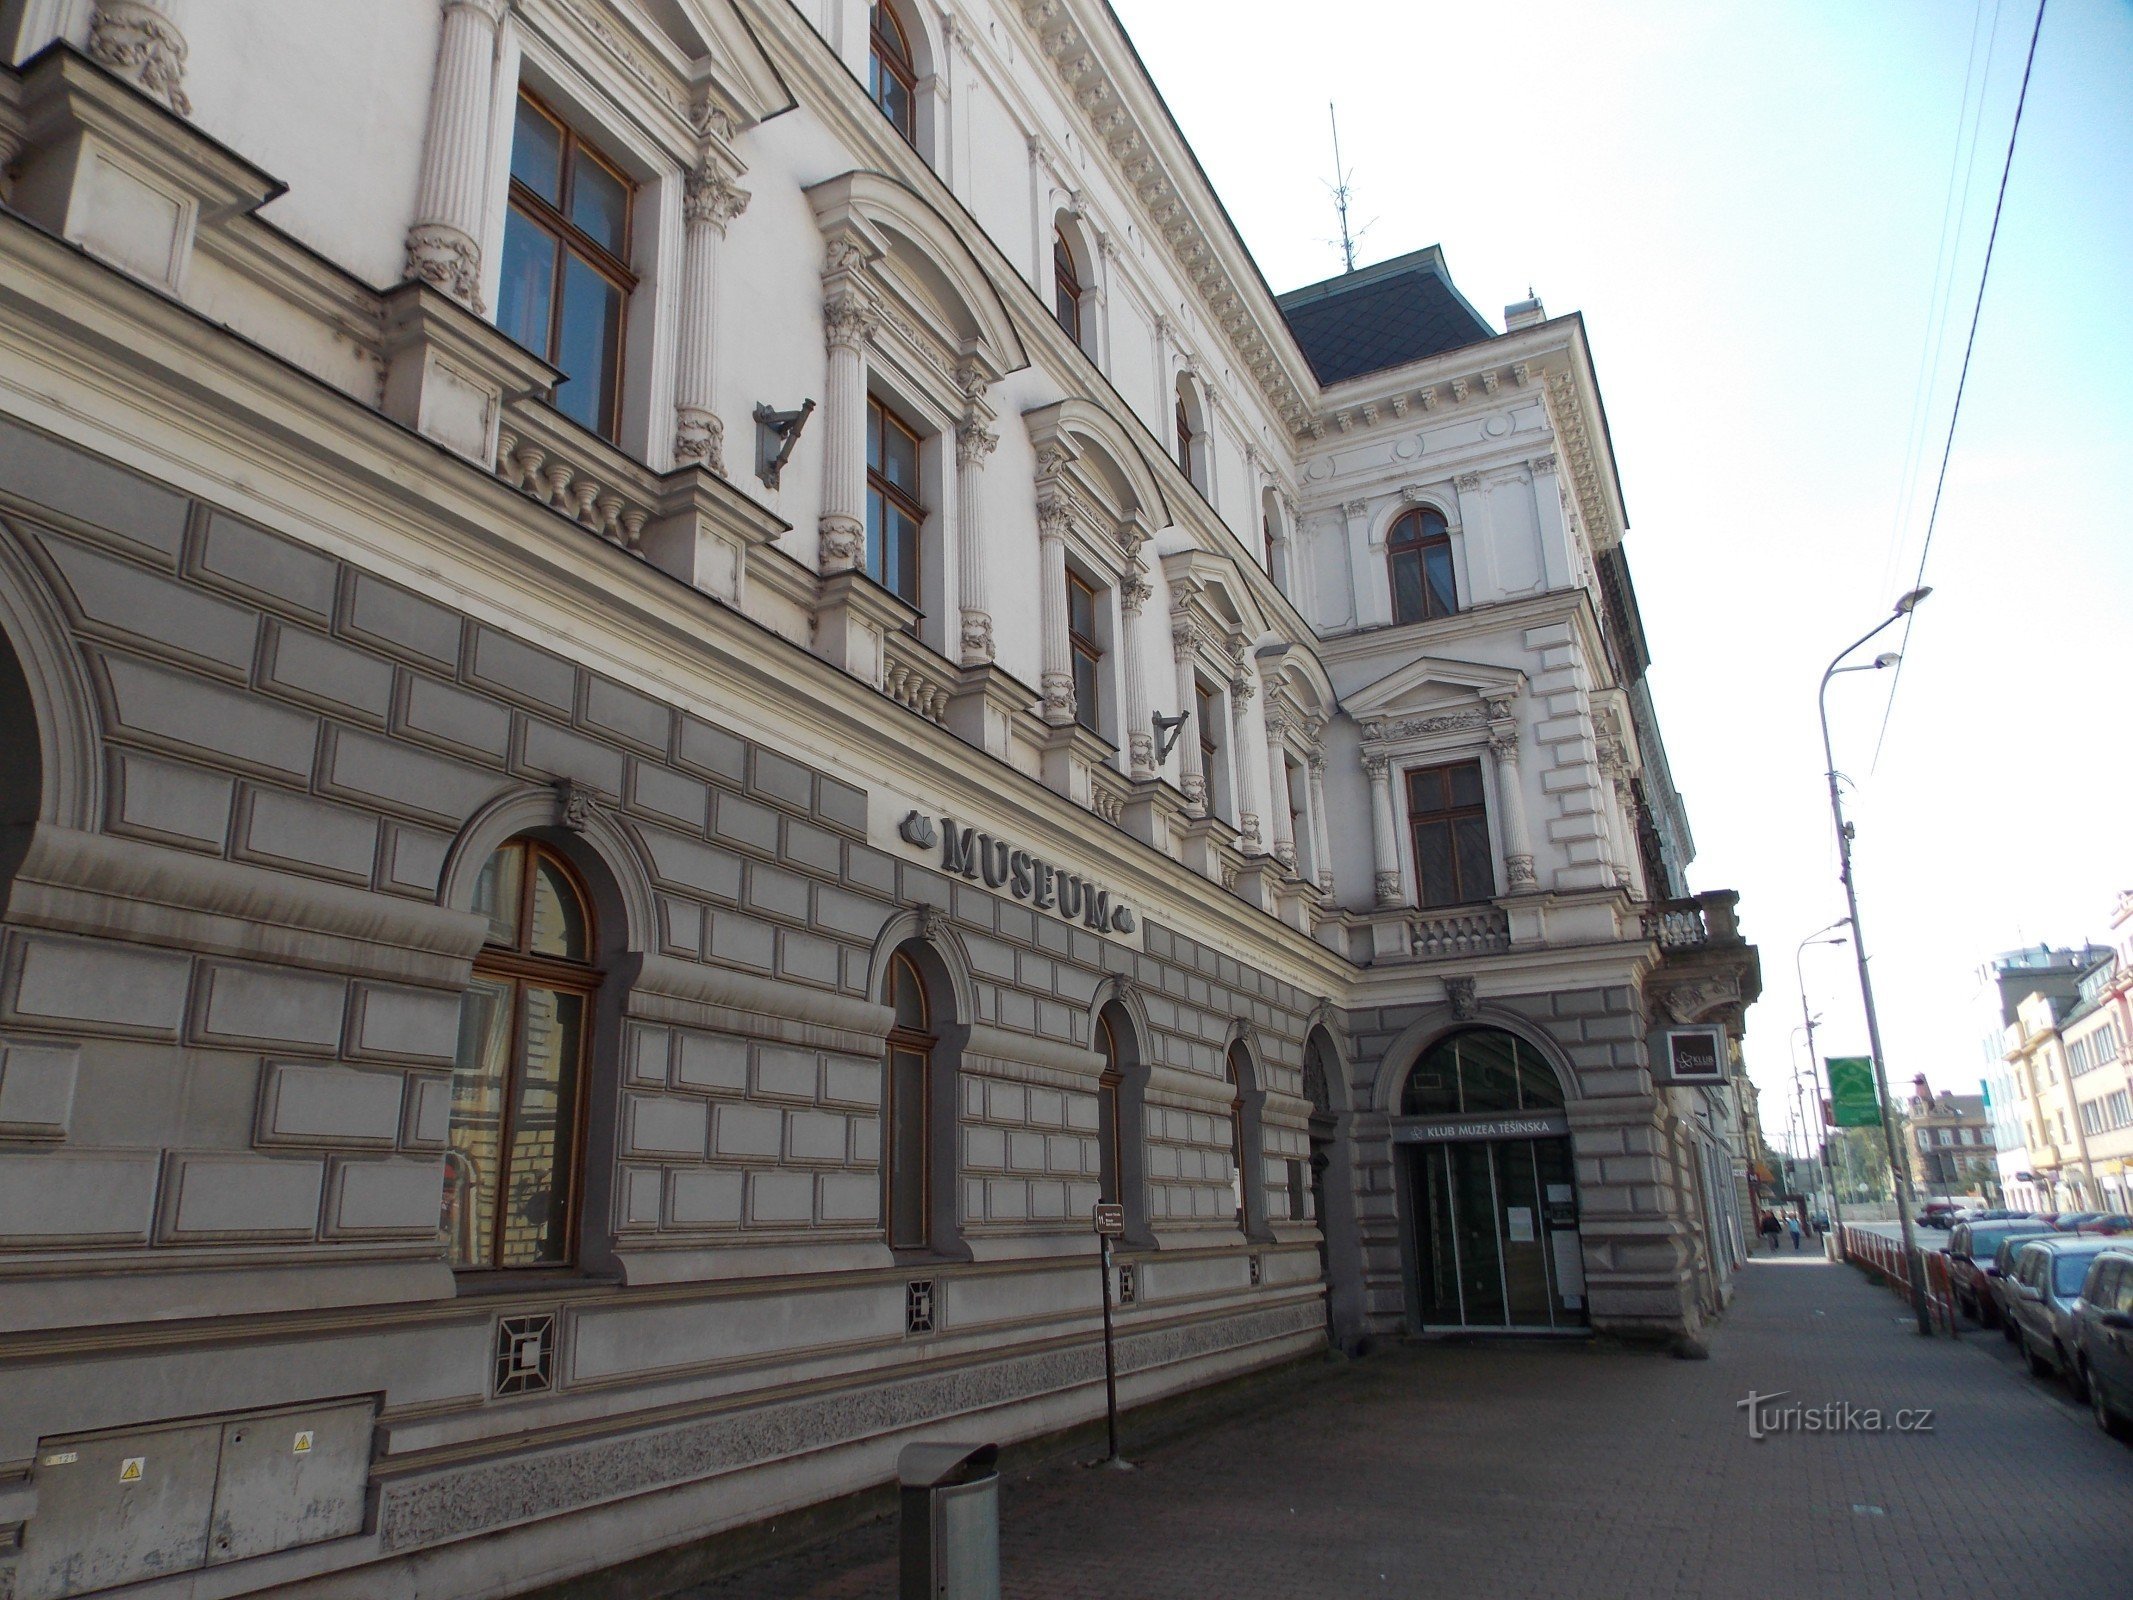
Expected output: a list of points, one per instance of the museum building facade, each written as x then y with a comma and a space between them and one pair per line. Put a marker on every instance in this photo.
650, 736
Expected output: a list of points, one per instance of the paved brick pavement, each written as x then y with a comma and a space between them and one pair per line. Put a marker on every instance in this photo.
1572, 1470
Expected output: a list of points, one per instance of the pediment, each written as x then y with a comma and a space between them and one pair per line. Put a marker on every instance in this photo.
725, 56
1432, 684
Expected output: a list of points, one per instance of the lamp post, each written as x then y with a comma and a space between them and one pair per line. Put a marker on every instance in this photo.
1899, 1177
1814, 1065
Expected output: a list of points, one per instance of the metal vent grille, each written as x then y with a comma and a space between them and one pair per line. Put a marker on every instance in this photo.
918, 1306
1258, 1270
525, 1354
1128, 1288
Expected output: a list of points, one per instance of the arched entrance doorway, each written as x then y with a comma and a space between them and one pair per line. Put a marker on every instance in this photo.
1490, 1189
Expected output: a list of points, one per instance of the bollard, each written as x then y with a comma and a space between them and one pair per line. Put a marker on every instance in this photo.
949, 1538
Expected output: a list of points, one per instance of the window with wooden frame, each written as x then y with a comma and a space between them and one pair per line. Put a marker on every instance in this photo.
1418, 553
1207, 720
518, 1085
1112, 1165
1233, 1074
895, 518
1066, 286
1088, 654
1450, 824
566, 276
907, 1154
892, 70
1185, 434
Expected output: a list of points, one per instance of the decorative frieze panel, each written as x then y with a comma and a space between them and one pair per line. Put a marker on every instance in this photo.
524, 1489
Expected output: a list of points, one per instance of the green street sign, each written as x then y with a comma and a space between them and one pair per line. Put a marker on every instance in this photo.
1851, 1091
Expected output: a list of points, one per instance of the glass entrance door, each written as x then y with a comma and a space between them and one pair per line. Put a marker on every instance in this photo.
1496, 1235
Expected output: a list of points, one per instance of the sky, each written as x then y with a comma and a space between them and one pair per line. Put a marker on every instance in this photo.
1773, 219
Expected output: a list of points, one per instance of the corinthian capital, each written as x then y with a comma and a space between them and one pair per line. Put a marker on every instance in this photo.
1134, 593
849, 320
973, 442
708, 195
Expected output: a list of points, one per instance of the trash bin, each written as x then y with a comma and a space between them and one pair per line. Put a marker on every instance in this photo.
950, 1535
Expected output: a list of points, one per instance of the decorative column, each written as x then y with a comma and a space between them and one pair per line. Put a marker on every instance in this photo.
1511, 798
443, 247
1248, 736
140, 42
1134, 592
1321, 835
710, 201
1384, 829
1057, 682
1185, 651
849, 319
973, 443
1277, 778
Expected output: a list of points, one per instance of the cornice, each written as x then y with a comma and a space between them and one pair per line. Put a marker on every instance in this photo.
370, 490
1127, 119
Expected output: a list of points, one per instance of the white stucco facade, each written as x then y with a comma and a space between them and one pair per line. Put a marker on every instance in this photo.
314, 606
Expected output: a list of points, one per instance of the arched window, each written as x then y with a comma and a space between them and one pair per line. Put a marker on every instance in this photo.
907, 1155
892, 70
1418, 550
1233, 1073
1186, 438
518, 1086
1066, 286
1111, 1183
1480, 1071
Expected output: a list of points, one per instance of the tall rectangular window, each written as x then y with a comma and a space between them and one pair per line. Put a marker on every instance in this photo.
894, 515
1088, 654
566, 277
1451, 834
1207, 720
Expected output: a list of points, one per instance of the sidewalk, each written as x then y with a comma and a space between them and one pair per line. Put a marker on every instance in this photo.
1569, 1470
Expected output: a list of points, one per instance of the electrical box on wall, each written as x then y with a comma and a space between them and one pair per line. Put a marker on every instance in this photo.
122, 1505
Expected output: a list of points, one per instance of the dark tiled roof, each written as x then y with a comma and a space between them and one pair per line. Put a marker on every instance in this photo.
1383, 316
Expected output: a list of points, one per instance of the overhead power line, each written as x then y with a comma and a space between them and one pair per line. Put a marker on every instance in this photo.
1955, 412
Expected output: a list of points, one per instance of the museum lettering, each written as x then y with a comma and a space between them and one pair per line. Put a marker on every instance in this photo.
973, 854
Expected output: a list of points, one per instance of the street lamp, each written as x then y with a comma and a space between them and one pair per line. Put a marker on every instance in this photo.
1898, 1174
1814, 1067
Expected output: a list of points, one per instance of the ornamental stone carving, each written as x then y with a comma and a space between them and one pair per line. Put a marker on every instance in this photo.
443, 257
1387, 885
977, 636
1460, 995
139, 43
843, 544
1377, 768
708, 195
699, 439
1134, 593
849, 321
973, 442
573, 805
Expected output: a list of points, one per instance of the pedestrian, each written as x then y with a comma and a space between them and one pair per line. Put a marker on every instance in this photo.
1793, 1223
1768, 1227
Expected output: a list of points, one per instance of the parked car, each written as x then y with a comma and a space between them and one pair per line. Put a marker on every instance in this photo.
1939, 1213
2071, 1221
2103, 1340
2110, 1226
1997, 1215
1972, 1249
2000, 1281
2048, 1275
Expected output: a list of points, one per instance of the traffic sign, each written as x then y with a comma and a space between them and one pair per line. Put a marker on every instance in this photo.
1851, 1091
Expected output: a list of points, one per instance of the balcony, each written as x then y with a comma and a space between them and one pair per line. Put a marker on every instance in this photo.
1458, 931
